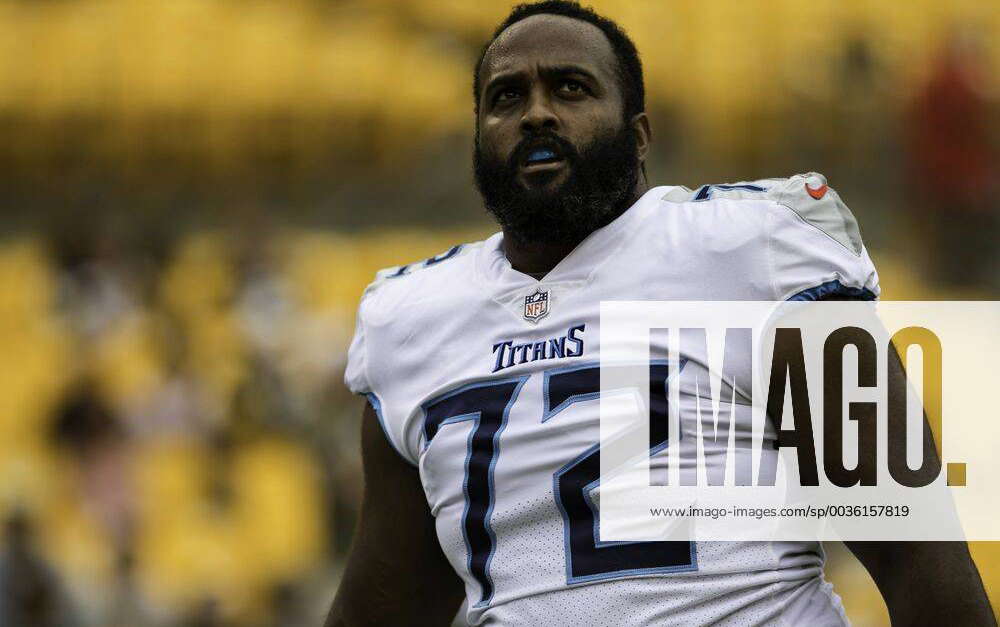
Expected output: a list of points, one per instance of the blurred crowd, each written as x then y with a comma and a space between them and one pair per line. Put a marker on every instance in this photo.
176, 445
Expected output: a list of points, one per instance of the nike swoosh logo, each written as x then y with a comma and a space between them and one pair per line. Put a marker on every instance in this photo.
817, 193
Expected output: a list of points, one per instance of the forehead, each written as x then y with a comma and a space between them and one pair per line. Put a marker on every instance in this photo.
550, 40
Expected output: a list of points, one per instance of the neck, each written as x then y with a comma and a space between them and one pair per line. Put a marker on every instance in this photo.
538, 258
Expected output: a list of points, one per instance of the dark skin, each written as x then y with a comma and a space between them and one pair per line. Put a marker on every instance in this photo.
558, 73
396, 573
925, 583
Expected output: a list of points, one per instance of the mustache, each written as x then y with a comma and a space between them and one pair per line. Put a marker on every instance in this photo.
543, 140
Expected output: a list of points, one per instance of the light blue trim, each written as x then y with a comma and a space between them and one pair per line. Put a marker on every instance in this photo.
398, 273
833, 288
460, 418
547, 410
567, 546
377, 406
598, 543
474, 417
635, 572
451, 252
405, 269
725, 187
587, 489
492, 488
568, 549
459, 390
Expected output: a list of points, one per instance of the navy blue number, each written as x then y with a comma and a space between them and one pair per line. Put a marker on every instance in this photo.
587, 558
404, 270
705, 191
486, 405
443, 256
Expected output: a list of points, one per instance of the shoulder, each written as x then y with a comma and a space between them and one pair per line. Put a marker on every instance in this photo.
802, 201
421, 269
421, 279
395, 302
812, 200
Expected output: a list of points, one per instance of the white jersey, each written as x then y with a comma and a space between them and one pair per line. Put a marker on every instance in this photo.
486, 380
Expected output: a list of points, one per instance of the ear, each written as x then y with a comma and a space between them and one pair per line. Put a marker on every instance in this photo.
643, 134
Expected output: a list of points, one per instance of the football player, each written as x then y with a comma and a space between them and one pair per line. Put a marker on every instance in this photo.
481, 368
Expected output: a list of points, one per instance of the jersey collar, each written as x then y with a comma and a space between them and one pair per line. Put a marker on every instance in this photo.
574, 269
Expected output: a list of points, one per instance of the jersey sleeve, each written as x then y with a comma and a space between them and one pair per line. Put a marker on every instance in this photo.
365, 373
814, 244
356, 372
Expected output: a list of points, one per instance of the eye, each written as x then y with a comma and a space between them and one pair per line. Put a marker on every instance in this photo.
572, 87
506, 95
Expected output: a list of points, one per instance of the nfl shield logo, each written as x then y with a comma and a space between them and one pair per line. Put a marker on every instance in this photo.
536, 306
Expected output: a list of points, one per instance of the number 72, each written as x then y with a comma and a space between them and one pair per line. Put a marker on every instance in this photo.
487, 404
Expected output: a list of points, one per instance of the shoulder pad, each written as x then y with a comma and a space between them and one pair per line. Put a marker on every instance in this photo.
814, 201
807, 195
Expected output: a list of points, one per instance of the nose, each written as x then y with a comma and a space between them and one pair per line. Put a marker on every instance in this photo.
538, 115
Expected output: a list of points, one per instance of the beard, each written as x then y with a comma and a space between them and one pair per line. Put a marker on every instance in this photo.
599, 187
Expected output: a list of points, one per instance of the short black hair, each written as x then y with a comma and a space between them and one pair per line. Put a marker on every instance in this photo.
629, 65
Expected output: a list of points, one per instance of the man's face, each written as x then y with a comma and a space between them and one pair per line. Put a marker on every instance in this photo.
555, 158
